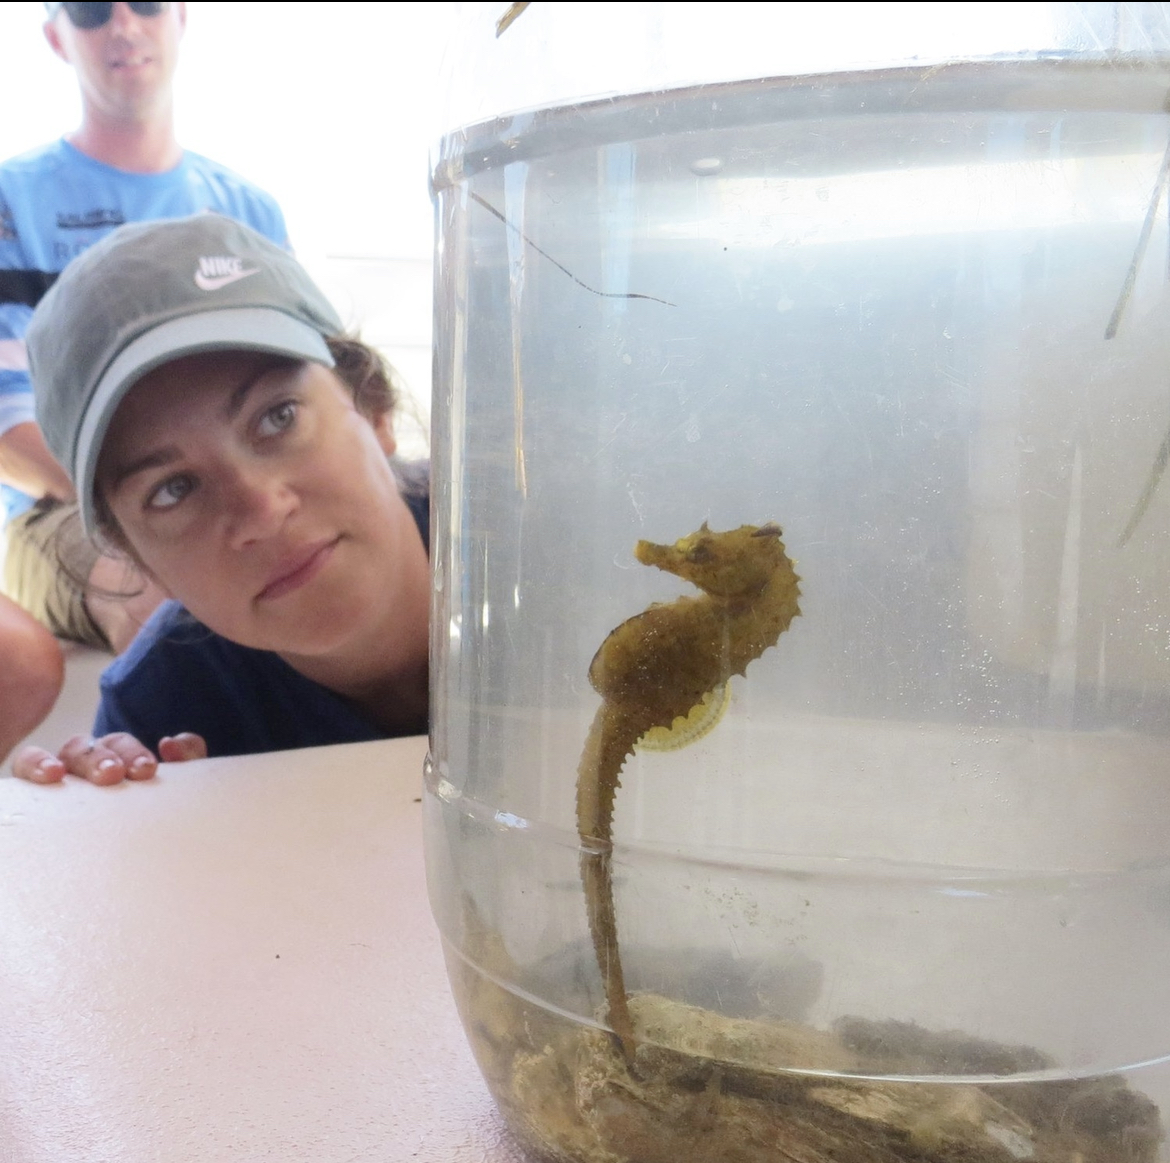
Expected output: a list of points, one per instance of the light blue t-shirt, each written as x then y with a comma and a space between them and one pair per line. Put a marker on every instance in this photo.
56, 202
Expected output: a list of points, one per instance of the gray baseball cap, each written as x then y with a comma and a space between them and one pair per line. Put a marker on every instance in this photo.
147, 294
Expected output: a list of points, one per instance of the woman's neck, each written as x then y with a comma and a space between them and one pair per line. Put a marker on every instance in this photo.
398, 703
385, 669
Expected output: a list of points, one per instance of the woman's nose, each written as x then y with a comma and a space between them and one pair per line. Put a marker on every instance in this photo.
258, 500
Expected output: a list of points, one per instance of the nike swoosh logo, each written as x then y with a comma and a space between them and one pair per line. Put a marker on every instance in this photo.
215, 282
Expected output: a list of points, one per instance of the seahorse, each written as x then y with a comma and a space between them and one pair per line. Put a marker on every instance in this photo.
652, 672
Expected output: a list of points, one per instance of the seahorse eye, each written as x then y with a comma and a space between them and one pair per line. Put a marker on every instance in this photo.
700, 554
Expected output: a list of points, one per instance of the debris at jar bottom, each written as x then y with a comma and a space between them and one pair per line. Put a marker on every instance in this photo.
567, 1093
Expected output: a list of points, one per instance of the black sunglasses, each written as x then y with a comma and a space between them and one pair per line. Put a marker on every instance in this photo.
89, 16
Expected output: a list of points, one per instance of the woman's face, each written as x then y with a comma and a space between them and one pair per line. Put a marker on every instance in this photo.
253, 490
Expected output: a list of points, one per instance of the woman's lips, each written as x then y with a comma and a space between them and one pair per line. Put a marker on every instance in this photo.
298, 569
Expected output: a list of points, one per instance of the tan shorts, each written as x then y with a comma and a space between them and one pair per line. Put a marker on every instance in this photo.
45, 567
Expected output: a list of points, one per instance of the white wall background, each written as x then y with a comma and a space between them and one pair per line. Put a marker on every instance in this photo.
332, 108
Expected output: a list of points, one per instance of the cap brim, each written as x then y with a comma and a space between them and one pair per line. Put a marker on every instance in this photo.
230, 329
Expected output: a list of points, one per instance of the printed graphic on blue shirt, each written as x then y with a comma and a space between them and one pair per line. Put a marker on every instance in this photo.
56, 202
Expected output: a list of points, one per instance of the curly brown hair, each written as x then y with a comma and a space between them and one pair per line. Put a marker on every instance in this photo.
366, 373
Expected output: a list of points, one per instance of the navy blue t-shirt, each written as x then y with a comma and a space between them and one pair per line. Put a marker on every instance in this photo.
180, 676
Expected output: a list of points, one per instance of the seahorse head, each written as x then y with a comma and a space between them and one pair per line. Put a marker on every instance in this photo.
737, 563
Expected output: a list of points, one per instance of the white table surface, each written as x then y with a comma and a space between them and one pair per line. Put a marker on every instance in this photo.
233, 962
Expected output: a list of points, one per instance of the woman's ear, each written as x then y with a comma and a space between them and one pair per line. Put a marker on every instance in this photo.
384, 430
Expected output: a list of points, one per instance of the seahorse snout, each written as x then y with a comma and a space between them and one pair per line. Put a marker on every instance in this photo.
650, 553
732, 564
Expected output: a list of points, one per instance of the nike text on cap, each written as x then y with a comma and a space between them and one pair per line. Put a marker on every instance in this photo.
147, 294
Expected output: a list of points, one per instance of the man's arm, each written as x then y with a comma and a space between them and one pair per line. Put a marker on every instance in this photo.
27, 464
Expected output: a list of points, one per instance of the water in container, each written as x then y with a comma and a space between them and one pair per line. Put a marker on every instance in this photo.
799, 784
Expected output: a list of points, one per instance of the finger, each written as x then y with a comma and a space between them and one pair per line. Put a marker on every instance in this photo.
38, 766
93, 760
182, 747
138, 761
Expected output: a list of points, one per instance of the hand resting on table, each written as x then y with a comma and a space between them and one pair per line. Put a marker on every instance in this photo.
107, 760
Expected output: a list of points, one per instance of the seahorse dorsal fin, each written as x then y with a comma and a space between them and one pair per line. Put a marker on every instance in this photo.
771, 529
689, 728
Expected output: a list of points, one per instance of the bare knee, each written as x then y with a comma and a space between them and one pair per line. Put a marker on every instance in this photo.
31, 676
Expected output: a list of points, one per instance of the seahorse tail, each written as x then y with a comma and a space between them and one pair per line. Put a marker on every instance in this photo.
611, 739
609, 744
597, 879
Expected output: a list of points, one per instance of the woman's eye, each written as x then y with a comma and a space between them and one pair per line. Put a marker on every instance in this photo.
170, 492
278, 418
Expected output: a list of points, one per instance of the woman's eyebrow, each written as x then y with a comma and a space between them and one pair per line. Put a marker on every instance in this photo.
155, 459
239, 395
171, 453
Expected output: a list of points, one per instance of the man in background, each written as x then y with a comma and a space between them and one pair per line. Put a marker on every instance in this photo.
122, 164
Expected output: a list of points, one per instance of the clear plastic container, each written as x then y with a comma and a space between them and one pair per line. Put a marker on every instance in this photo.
908, 898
